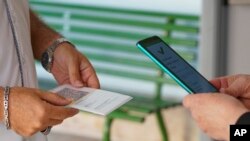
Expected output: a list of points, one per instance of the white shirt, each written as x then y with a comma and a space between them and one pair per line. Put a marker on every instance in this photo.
9, 66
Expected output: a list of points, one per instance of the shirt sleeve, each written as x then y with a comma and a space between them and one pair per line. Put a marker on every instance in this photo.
244, 119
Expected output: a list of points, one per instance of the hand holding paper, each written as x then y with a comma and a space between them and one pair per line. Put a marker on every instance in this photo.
92, 100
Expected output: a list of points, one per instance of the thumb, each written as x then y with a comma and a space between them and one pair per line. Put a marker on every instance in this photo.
235, 89
188, 101
74, 74
55, 99
194, 100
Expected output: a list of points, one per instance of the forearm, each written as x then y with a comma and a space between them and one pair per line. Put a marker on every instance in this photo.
42, 36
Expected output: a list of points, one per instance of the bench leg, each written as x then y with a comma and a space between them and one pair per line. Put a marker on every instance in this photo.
161, 124
107, 129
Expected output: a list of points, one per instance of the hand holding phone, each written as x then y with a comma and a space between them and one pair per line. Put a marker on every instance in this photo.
175, 66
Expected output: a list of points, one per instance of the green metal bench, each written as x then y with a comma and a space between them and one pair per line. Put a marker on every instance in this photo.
108, 36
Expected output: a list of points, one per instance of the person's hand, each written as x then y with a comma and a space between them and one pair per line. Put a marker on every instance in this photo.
71, 67
32, 110
215, 112
236, 85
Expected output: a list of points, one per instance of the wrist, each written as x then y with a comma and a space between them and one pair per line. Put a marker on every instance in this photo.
63, 48
48, 56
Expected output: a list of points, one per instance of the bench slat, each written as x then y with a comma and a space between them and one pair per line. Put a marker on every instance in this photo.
129, 61
136, 23
115, 10
129, 35
124, 61
133, 75
126, 116
189, 56
127, 22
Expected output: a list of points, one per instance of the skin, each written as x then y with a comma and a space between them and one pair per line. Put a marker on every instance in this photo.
33, 110
215, 112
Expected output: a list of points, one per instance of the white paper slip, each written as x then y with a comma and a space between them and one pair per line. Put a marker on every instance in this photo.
92, 100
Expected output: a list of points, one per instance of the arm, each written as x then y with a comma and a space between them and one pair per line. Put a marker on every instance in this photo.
31, 110
215, 112
69, 66
42, 36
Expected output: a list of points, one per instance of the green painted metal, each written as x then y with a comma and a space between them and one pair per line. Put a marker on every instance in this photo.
132, 75
149, 105
133, 62
109, 32
137, 23
161, 124
129, 35
105, 45
107, 129
128, 107
127, 22
114, 10
119, 114
120, 60
54, 14
176, 41
189, 56
158, 89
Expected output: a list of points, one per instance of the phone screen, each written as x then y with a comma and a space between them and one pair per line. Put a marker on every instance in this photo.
177, 66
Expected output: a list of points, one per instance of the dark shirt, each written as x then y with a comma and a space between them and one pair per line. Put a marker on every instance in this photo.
244, 119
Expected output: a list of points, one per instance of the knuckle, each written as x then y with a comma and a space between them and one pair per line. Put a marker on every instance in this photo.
74, 73
37, 91
41, 113
29, 133
38, 125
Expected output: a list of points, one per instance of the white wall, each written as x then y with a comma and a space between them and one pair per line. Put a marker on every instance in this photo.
239, 39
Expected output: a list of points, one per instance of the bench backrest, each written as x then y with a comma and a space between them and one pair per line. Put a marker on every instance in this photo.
107, 36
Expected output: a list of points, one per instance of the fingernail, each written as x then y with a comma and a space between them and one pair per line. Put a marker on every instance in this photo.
78, 83
70, 99
76, 111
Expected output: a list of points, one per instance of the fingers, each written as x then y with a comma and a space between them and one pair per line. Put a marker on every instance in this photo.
188, 100
238, 88
55, 99
88, 74
61, 113
224, 82
74, 74
53, 122
92, 80
221, 82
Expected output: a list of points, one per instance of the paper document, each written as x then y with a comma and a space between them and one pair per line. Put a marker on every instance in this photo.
92, 100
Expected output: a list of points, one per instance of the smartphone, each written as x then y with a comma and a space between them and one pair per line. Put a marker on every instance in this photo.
175, 66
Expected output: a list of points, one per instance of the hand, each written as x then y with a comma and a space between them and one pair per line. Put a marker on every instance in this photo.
215, 112
71, 67
236, 85
32, 110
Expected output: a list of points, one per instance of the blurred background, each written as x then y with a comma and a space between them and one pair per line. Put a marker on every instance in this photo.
212, 35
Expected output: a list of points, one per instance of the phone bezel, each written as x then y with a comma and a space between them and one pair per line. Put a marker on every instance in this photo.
144, 44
